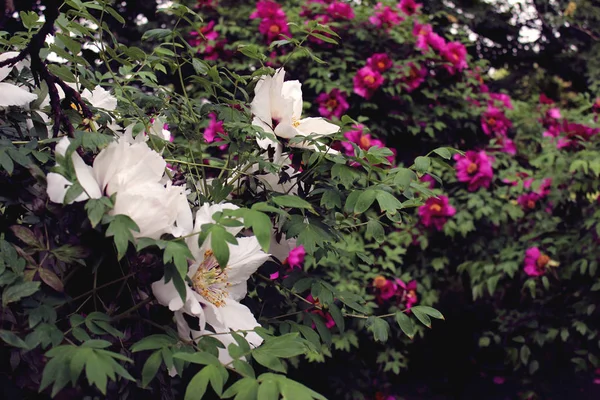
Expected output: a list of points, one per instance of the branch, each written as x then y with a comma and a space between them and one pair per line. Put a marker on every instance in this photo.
41, 72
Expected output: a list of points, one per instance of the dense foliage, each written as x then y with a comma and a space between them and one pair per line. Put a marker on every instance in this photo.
216, 237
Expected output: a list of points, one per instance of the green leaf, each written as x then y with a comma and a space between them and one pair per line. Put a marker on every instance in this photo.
96, 372
198, 358
6, 162
153, 342
18, 291
292, 202
443, 152
156, 34
26, 236
284, 346
219, 238
267, 360
179, 254
151, 367
62, 72
243, 368
432, 312
261, 226
10, 338
337, 316
422, 164
120, 228
404, 177
97, 208
406, 324
388, 202
379, 327
364, 201
268, 390
422, 317
244, 389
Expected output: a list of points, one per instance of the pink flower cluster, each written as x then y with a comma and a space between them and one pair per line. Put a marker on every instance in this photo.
294, 260
529, 201
363, 140
403, 293
206, 39
414, 77
474, 168
385, 17
332, 104
495, 123
369, 78
435, 212
536, 263
329, 322
569, 135
454, 53
339, 10
212, 131
273, 21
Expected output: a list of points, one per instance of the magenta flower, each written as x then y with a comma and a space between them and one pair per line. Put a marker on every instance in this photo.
385, 289
435, 212
456, 54
475, 168
506, 145
385, 17
206, 39
296, 257
502, 98
211, 132
332, 104
554, 113
380, 62
367, 81
329, 322
410, 7
536, 263
421, 32
363, 140
267, 9
545, 99
340, 10
574, 134
274, 28
408, 293
415, 77
528, 201
494, 122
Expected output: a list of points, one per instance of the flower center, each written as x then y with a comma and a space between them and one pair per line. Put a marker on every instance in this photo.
542, 261
472, 168
455, 57
210, 280
331, 104
381, 65
369, 79
274, 28
379, 281
531, 204
491, 121
364, 142
435, 208
413, 74
423, 32
411, 294
295, 123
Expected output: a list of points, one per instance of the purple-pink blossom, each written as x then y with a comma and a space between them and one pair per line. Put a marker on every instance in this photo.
410, 7
495, 122
536, 262
340, 10
212, 131
435, 212
332, 104
385, 17
474, 168
380, 62
366, 81
415, 77
456, 54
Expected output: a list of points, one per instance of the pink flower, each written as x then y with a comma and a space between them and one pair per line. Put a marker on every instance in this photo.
494, 122
503, 98
211, 132
545, 99
367, 81
426, 38
329, 322
536, 262
273, 28
428, 181
206, 39
296, 257
340, 10
435, 212
506, 145
456, 54
475, 168
408, 293
206, 3
267, 9
554, 113
380, 62
332, 104
385, 17
410, 7
363, 140
385, 289
415, 77
574, 134
528, 201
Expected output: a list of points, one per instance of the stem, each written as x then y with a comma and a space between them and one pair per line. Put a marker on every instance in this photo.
126, 313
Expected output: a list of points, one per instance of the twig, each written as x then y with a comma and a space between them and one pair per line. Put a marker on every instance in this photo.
41, 72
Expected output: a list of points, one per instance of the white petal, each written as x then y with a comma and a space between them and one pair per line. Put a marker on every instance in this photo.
167, 295
292, 90
239, 291
57, 187
287, 131
11, 95
244, 259
281, 249
316, 126
100, 98
237, 316
261, 104
85, 177
62, 146
4, 71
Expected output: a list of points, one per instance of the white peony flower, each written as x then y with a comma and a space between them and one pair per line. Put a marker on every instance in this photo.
135, 173
277, 109
215, 292
12, 95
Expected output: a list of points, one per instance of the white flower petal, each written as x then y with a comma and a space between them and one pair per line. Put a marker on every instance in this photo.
100, 98
57, 187
244, 259
239, 291
12, 95
292, 91
85, 177
316, 126
4, 71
